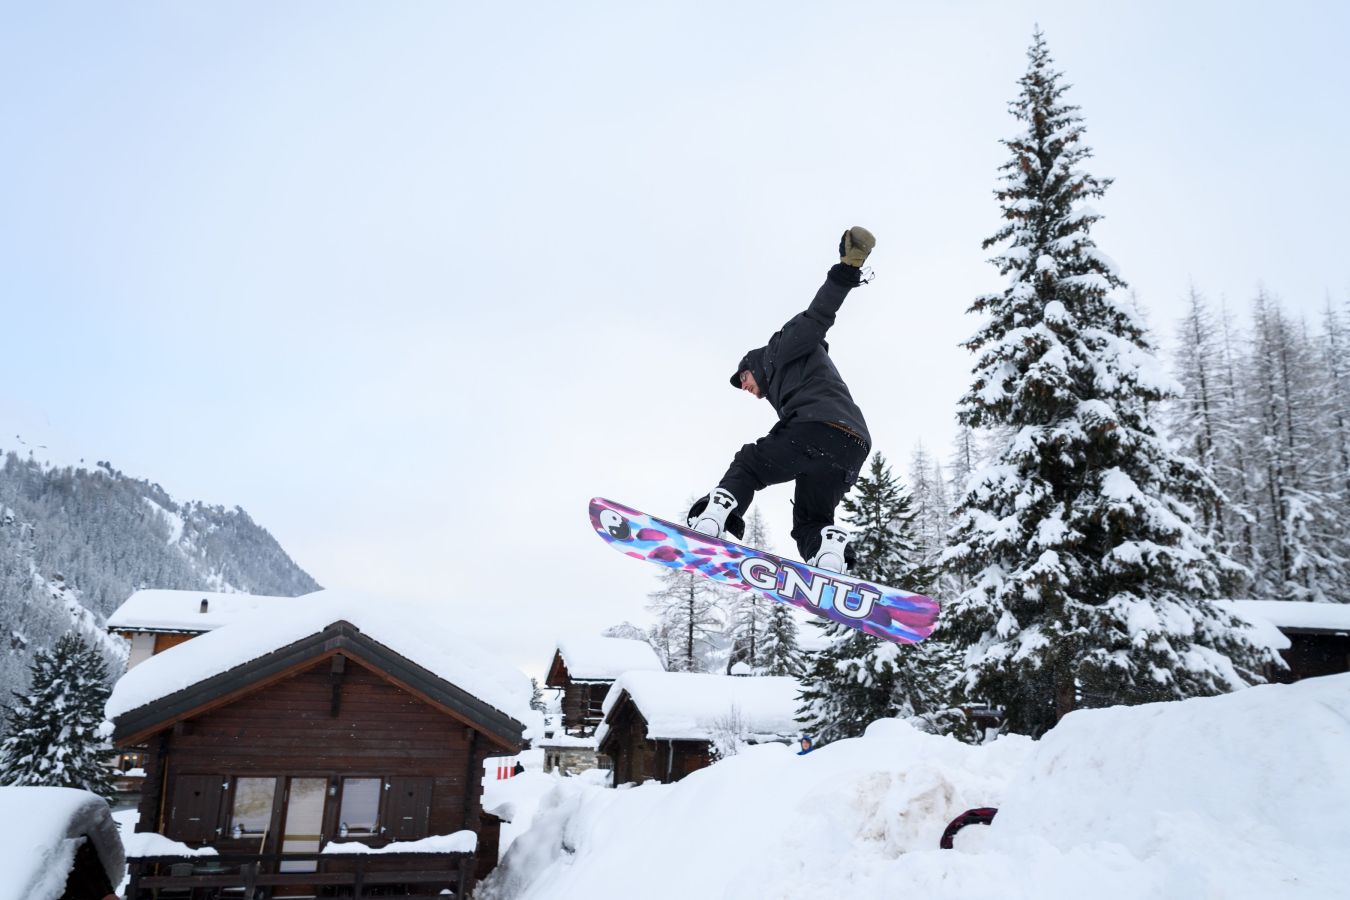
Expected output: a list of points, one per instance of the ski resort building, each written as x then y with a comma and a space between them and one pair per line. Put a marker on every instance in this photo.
664, 725
333, 745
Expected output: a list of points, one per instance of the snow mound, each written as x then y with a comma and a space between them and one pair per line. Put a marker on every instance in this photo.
41, 830
1239, 796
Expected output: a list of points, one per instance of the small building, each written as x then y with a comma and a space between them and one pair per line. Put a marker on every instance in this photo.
664, 725
58, 844
152, 621
1313, 638
584, 668
293, 742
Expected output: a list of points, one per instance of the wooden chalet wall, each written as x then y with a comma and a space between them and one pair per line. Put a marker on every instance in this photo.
1312, 653
637, 758
581, 700
332, 719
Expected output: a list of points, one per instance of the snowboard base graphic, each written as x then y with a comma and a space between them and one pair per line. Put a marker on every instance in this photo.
878, 610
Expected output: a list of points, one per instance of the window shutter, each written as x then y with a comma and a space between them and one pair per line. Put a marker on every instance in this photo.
408, 808
196, 808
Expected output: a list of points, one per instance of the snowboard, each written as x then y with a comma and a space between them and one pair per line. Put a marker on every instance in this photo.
875, 609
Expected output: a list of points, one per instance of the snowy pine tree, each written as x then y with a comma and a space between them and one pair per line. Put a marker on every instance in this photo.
1090, 585
858, 678
748, 611
780, 653
56, 732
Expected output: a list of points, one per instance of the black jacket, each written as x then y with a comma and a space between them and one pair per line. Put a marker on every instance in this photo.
794, 370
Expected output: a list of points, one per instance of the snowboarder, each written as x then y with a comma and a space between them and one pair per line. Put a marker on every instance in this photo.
820, 440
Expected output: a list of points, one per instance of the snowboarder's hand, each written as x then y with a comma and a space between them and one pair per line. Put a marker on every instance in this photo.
854, 246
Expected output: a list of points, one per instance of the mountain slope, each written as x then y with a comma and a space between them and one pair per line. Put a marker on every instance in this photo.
75, 542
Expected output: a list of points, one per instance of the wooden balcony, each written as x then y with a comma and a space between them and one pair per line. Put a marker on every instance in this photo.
260, 877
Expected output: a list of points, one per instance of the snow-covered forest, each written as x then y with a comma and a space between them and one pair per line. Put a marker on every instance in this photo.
76, 541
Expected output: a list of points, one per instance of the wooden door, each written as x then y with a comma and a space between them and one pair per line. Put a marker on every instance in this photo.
408, 808
196, 808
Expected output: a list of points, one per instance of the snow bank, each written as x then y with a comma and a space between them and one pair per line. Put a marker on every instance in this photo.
412, 632
604, 659
688, 706
1239, 796
41, 829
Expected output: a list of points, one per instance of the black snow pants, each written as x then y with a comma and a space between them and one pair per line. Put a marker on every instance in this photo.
824, 461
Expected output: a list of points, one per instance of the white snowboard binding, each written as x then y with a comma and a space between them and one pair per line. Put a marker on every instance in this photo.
833, 546
712, 518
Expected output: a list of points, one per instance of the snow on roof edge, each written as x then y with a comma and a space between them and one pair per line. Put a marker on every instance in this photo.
400, 628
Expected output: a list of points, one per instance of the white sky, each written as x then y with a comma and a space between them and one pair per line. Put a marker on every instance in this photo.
411, 282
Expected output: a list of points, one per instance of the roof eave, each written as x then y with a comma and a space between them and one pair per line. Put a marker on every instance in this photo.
134, 726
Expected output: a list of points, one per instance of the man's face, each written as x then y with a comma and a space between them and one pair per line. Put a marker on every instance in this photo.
748, 383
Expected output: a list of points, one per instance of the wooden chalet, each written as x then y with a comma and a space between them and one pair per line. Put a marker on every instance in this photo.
1313, 638
152, 621
584, 668
286, 745
662, 725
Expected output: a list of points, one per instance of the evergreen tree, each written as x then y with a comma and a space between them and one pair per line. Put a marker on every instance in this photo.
931, 513
858, 678
1090, 585
56, 736
780, 653
536, 696
748, 610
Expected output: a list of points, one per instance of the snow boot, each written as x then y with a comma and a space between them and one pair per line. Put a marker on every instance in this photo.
833, 555
715, 513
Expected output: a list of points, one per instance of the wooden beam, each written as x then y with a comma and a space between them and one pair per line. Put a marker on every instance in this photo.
336, 671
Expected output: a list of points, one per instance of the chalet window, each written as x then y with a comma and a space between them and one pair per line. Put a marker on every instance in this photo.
251, 812
360, 809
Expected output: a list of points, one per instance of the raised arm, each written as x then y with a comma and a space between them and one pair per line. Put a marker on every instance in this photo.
807, 329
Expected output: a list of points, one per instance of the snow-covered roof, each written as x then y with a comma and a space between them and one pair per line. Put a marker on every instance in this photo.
689, 706
160, 610
1296, 614
425, 636
604, 659
41, 828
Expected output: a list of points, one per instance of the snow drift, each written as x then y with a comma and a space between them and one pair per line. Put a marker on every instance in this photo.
1234, 796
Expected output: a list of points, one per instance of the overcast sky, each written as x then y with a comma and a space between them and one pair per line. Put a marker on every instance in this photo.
410, 282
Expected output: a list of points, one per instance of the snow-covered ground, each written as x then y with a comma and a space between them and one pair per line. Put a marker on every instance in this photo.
1239, 796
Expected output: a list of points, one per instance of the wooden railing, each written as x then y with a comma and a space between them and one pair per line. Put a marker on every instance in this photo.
254, 875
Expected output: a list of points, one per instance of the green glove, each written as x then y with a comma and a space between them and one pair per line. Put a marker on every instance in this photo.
854, 246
